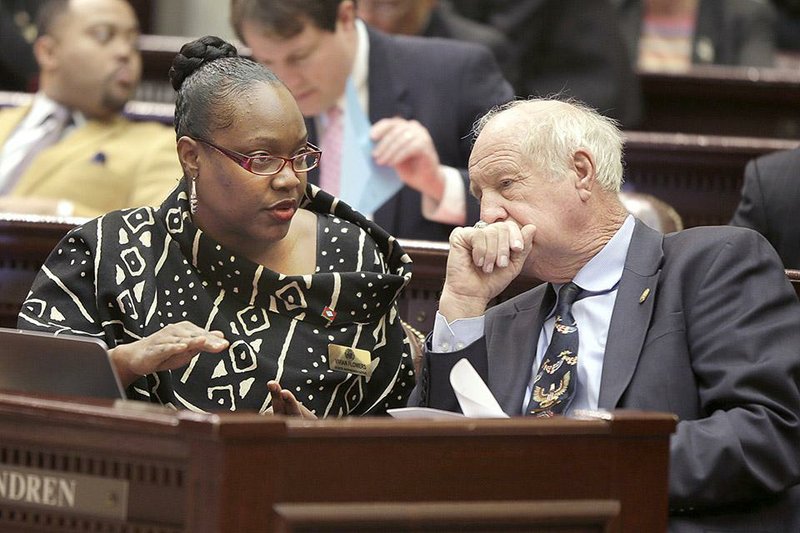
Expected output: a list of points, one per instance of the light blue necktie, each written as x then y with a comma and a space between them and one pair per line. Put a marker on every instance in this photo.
364, 185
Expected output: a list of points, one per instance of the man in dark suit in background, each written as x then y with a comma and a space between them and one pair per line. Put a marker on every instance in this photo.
18, 67
421, 96
701, 323
435, 18
569, 47
770, 201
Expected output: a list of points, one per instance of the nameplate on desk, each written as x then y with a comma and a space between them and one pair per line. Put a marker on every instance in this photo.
63, 491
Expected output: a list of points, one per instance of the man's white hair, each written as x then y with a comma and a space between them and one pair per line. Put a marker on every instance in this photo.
553, 130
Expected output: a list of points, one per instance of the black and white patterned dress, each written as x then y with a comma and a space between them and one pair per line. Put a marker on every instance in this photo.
127, 274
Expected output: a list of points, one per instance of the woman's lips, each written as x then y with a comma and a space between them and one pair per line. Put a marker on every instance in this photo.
283, 210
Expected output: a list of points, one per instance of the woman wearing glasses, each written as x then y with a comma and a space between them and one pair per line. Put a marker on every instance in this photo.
246, 275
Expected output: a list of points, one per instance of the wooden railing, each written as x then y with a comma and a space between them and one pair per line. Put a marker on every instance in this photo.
700, 176
26, 241
738, 101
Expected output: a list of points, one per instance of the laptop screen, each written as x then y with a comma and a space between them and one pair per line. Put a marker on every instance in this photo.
43, 363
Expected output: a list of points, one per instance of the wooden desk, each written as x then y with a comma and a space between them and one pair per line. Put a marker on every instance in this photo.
167, 471
699, 175
740, 101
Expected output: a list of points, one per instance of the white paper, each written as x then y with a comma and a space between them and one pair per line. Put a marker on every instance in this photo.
422, 412
474, 397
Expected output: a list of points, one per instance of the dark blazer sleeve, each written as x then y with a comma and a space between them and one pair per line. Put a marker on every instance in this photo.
17, 63
433, 387
769, 202
750, 212
742, 322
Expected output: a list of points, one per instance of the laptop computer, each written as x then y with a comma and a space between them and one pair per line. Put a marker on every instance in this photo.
67, 365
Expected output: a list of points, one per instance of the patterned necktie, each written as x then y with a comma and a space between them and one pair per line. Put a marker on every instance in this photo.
331, 163
29, 144
557, 379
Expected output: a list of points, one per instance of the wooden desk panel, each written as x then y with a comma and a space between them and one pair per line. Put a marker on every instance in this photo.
25, 243
717, 100
239, 472
699, 175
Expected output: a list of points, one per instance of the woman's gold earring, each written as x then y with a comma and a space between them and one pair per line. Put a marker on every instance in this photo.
193, 196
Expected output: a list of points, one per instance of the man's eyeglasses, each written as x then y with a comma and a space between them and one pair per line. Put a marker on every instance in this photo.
264, 164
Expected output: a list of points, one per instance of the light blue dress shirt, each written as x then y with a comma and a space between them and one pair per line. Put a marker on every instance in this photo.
592, 314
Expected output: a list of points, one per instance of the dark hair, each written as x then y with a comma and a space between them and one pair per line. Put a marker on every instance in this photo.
284, 18
210, 77
47, 15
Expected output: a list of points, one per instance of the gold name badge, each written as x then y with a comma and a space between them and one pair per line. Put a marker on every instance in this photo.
349, 359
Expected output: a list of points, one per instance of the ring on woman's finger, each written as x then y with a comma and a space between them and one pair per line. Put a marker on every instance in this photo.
480, 224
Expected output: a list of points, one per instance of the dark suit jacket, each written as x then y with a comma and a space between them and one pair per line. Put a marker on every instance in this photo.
18, 67
770, 202
717, 342
445, 85
728, 32
447, 23
569, 47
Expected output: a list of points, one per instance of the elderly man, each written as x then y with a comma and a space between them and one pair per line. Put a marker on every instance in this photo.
701, 323
71, 152
421, 97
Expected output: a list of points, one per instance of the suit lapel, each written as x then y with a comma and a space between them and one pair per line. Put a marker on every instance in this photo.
632, 313
388, 91
11, 118
512, 342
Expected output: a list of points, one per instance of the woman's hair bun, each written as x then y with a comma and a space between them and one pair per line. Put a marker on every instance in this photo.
197, 53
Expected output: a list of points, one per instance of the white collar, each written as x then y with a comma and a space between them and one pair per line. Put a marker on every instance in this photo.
43, 107
604, 270
360, 72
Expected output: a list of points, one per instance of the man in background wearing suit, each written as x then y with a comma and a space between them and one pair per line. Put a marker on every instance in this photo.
421, 97
770, 199
71, 152
701, 323
573, 48
438, 18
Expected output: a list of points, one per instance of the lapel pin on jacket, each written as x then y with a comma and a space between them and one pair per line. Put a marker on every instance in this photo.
99, 158
644, 295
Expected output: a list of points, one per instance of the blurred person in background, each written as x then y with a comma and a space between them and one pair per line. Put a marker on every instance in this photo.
673, 35
573, 48
71, 152
437, 18
770, 198
17, 65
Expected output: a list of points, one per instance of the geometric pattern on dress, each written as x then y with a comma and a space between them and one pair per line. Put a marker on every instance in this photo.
87, 290
253, 319
242, 356
138, 218
292, 296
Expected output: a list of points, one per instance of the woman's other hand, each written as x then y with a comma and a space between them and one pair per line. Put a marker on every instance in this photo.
284, 402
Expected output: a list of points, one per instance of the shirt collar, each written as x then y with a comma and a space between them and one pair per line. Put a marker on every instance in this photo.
43, 106
604, 270
360, 71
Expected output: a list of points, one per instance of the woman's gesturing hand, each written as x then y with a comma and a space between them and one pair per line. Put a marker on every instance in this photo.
169, 348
